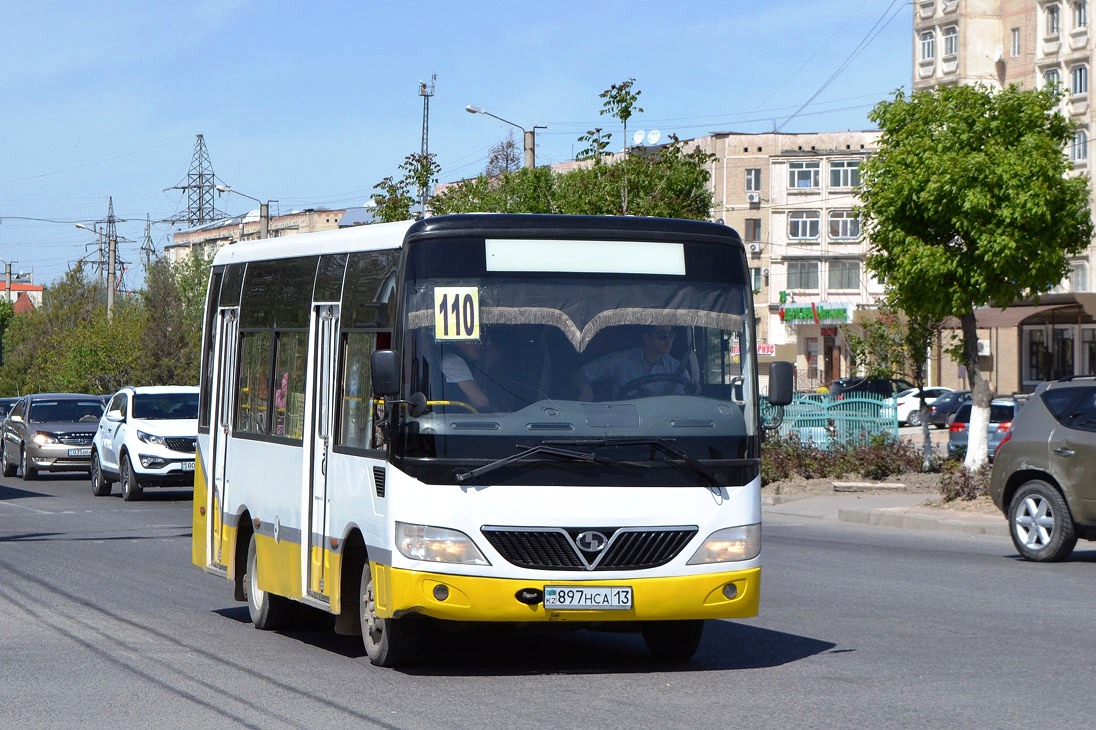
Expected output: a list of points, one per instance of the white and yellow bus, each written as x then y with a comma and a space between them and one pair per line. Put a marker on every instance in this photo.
485, 418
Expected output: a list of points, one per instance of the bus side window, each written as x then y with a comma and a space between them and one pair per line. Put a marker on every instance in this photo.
356, 406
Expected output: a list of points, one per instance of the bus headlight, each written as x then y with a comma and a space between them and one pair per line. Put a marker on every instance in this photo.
437, 545
729, 544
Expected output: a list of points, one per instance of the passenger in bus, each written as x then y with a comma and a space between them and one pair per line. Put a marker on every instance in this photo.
618, 370
465, 364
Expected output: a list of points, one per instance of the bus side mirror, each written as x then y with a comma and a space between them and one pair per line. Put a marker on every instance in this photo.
781, 383
384, 365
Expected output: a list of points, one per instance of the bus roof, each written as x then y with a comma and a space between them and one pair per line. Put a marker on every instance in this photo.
375, 236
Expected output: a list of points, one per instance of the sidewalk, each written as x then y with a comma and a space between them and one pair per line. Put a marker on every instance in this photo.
889, 510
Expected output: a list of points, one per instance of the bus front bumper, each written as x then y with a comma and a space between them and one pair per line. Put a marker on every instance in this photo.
399, 592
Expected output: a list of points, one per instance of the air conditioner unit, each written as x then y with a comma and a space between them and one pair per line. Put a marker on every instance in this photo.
755, 248
983, 348
753, 197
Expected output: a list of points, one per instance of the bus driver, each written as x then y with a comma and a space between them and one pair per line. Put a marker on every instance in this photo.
651, 358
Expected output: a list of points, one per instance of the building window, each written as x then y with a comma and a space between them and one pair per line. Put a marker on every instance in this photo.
1036, 356
844, 225
1078, 276
803, 175
928, 45
1088, 351
1015, 42
951, 41
1053, 77
753, 180
1052, 20
844, 173
753, 230
755, 278
812, 358
844, 275
1078, 80
804, 224
1080, 14
1078, 148
803, 275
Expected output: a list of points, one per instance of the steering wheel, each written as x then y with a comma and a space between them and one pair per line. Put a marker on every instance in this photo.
632, 387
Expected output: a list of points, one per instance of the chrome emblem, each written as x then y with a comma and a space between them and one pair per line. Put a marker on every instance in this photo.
591, 541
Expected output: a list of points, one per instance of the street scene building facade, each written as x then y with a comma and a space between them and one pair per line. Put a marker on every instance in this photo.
248, 227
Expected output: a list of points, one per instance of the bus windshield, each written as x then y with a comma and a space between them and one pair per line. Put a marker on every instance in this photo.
528, 360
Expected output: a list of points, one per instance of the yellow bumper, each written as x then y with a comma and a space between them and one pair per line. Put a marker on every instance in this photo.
466, 598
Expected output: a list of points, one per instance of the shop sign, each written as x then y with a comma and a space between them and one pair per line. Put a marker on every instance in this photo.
814, 313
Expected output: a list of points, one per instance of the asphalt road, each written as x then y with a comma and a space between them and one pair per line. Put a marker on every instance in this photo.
104, 623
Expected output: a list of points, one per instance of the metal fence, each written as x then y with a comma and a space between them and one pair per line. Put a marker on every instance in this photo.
854, 418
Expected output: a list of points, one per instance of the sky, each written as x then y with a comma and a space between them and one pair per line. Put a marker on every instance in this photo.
309, 105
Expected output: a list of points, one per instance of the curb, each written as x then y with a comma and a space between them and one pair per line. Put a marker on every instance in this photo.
932, 522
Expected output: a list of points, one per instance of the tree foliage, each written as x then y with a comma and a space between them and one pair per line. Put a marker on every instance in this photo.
503, 157
969, 202
394, 201
69, 344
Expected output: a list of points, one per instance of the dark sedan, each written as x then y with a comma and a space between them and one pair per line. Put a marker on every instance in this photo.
944, 407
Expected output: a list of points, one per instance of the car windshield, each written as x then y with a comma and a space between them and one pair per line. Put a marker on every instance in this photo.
165, 406
59, 410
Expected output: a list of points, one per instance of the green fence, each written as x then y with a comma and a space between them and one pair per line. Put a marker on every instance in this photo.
820, 420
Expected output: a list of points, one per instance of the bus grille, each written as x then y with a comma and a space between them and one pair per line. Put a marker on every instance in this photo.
576, 548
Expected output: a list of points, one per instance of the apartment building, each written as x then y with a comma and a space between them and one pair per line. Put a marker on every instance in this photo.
792, 198
1032, 43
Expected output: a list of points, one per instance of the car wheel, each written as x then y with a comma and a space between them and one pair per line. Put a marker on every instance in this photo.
268, 611
388, 642
8, 468
673, 640
1040, 524
914, 418
131, 489
29, 472
100, 487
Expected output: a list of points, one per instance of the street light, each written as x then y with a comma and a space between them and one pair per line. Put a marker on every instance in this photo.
264, 208
529, 135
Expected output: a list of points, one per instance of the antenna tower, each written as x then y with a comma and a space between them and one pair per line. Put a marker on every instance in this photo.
425, 92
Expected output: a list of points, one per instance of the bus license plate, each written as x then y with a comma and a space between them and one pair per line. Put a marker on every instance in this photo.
80, 452
187, 465
587, 597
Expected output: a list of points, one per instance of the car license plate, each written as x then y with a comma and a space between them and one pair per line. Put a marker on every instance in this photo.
188, 465
587, 597
80, 452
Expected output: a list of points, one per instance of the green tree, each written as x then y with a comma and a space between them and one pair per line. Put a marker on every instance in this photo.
968, 203
620, 101
174, 303
394, 200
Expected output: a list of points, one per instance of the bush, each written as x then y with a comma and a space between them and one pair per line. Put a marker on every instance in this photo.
960, 483
878, 458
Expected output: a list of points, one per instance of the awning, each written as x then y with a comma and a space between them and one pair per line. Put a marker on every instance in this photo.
1014, 316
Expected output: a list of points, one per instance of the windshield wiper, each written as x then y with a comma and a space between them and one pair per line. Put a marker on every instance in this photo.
543, 448
680, 457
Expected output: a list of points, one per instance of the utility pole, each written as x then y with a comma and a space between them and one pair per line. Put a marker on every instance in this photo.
112, 253
147, 247
425, 93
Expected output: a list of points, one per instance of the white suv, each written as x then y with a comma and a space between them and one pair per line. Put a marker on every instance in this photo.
146, 438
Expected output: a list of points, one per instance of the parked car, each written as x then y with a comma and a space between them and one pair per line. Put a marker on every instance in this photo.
49, 432
1042, 477
1002, 411
887, 387
945, 406
909, 403
146, 438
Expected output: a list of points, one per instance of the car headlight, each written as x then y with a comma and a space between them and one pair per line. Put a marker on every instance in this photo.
729, 544
44, 437
436, 545
151, 438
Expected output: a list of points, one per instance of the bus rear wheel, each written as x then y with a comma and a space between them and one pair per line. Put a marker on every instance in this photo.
268, 611
673, 640
388, 642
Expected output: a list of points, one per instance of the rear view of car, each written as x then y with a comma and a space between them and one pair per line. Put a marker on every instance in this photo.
146, 438
1001, 414
945, 406
1042, 478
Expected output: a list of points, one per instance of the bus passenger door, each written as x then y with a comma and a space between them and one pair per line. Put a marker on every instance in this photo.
224, 399
325, 323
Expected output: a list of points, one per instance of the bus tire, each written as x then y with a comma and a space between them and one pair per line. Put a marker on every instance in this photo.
673, 640
268, 611
388, 642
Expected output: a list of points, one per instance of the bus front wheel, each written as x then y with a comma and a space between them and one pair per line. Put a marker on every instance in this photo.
268, 611
389, 642
673, 640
